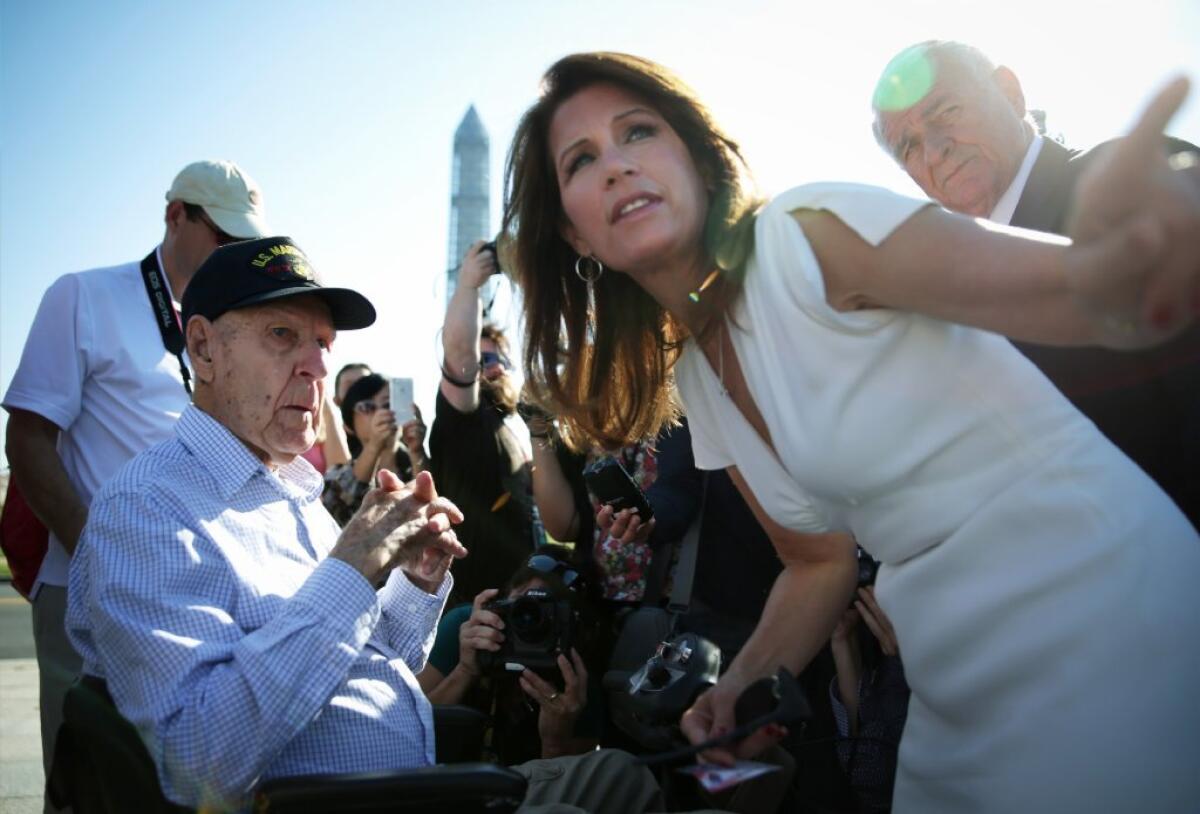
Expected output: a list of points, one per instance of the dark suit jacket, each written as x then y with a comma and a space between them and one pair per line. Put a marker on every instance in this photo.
1146, 402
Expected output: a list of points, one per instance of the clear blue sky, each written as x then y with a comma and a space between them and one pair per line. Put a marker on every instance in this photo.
344, 112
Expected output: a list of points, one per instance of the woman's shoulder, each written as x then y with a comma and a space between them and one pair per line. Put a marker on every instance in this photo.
873, 212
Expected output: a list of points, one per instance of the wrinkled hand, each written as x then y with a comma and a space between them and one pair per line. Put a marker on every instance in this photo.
477, 266
481, 631
413, 431
404, 526
712, 716
625, 526
558, 710
1135, 266
878, 622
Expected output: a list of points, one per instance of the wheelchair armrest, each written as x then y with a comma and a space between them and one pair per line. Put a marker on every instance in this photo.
458, 732
450, 789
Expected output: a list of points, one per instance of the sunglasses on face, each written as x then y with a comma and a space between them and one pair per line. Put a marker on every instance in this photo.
545, 564
488, 358
369, 407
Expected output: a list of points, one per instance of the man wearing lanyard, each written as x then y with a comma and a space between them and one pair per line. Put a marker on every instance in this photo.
103, 376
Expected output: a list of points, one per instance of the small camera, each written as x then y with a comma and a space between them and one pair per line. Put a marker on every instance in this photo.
868, 569
490, 246
537, 627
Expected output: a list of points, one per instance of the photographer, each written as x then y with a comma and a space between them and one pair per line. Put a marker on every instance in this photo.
870, 700
534, 716
376, 442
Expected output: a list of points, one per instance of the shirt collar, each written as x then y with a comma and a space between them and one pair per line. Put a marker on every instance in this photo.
1007, 205
232, 464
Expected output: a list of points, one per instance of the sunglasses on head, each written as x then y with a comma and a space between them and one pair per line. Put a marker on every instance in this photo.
545, 564
488, 358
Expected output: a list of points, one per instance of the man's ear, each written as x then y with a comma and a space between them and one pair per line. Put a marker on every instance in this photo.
174, 215
1010, 87
201, 340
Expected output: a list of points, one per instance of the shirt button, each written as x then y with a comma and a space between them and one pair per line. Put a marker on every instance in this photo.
412, 608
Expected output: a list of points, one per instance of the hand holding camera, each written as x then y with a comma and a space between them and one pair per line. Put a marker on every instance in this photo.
558, 709
479, 264
877, 621
481, 631
537, 628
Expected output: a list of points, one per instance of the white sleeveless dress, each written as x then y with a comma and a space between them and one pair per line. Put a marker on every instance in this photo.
1042, 587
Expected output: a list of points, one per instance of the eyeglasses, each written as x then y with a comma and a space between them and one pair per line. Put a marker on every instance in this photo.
545, 564
488, 358
369, 407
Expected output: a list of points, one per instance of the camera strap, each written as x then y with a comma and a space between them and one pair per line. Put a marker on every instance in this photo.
685, 566
165, 314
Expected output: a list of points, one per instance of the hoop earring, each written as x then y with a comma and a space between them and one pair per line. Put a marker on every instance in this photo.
597, 269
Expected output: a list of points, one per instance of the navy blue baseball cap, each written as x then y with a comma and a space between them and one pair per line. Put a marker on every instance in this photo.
252, 272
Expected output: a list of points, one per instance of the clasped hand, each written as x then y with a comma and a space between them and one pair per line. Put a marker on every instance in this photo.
404, 526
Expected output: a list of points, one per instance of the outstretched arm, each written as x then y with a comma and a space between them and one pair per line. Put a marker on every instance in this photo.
801, 612
1130, 279
460, 332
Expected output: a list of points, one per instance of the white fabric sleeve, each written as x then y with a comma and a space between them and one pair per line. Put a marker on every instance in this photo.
785, 259
54, 362
708, 451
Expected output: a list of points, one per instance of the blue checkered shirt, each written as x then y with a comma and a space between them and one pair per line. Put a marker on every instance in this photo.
202, 592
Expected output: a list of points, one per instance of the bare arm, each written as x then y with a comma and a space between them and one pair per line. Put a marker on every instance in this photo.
847, 661
413, 436
1128, 281
481, 631
336, 450
801, 611
31, 445
552, 492
460, 332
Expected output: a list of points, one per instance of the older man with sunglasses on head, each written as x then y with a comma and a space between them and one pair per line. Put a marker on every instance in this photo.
102, 376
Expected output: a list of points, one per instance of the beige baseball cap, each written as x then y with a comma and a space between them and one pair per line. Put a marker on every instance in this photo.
228, 195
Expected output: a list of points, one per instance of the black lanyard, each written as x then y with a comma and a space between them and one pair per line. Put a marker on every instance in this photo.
164, 314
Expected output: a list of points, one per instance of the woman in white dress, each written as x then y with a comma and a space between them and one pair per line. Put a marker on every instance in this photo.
1039, 583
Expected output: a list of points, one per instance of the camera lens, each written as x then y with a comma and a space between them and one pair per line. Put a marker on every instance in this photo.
529, 620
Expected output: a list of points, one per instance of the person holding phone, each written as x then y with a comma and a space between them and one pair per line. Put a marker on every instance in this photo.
614, 541
376, 442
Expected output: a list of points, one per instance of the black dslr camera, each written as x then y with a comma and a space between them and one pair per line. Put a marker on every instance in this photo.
537, 627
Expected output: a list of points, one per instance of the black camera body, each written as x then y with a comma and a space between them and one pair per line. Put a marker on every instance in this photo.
868, 569
537, 627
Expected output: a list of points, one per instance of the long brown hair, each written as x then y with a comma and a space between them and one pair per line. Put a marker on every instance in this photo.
608, 375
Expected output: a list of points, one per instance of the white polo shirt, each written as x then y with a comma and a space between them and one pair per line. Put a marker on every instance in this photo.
95, 365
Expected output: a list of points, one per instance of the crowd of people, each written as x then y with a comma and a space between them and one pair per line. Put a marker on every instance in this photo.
945, 471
